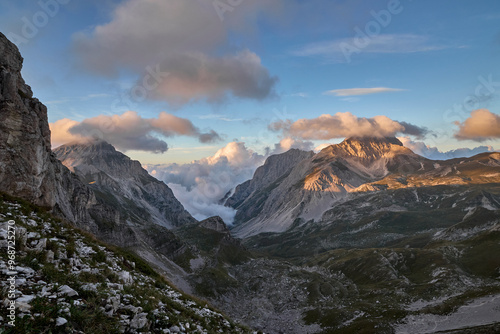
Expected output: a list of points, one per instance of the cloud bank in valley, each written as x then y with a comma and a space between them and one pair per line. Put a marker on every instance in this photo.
202, 184
345, 124
481, 125
129, 131
183, 43
435, 154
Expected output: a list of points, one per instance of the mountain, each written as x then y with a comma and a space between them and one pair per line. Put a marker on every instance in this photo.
123, 182
28, 169
366, 236
69, 282
318, 183
31, 171
250, 196
314, 182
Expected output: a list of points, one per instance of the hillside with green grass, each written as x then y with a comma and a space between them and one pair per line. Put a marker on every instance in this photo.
69, 282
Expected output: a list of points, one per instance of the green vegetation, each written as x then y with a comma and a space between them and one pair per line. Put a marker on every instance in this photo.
88, 311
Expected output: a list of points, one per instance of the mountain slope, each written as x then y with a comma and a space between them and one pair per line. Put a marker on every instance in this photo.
68, 282
314, 184
250, 196
118, 179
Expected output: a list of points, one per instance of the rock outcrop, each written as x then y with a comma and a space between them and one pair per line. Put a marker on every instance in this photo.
28, 168
122, 182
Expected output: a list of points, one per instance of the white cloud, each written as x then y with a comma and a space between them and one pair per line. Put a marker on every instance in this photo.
184, 39
361, 91
335, 50
201, 184
288, 143
435, 154
195, 76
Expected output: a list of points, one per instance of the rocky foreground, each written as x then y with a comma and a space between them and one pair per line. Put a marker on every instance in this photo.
68, 282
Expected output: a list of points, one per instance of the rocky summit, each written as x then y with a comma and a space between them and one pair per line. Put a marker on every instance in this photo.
118, 180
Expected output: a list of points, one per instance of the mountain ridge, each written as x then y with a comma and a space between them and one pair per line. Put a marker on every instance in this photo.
355, 165
124, 180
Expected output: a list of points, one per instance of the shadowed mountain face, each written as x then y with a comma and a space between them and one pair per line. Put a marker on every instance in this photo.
123, 182
28, 169
316, 184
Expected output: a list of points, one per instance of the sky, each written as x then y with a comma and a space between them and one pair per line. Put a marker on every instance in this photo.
202, 91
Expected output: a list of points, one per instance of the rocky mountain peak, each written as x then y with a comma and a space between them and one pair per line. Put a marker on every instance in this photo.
123, 182
89, 145
91, 156
367, 149
373, 141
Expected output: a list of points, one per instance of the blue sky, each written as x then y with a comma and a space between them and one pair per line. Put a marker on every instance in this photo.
428, 63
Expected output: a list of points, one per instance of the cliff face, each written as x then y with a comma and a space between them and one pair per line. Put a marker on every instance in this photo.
28, 168
121, 181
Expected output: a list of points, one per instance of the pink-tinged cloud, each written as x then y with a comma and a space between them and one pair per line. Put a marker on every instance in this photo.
129, 131
186, 41
59, 132
343, 125
481, 125
195, 76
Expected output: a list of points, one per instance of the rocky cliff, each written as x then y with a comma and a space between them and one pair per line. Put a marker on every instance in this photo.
122, 182
250, 196
28, 168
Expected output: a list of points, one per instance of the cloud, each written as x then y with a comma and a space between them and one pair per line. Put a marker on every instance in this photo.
129, 131
435, 154
59, 132
201, 184
197, 76
338, 50
342, 125
361, 91
481, 125
288, 143
187, 41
